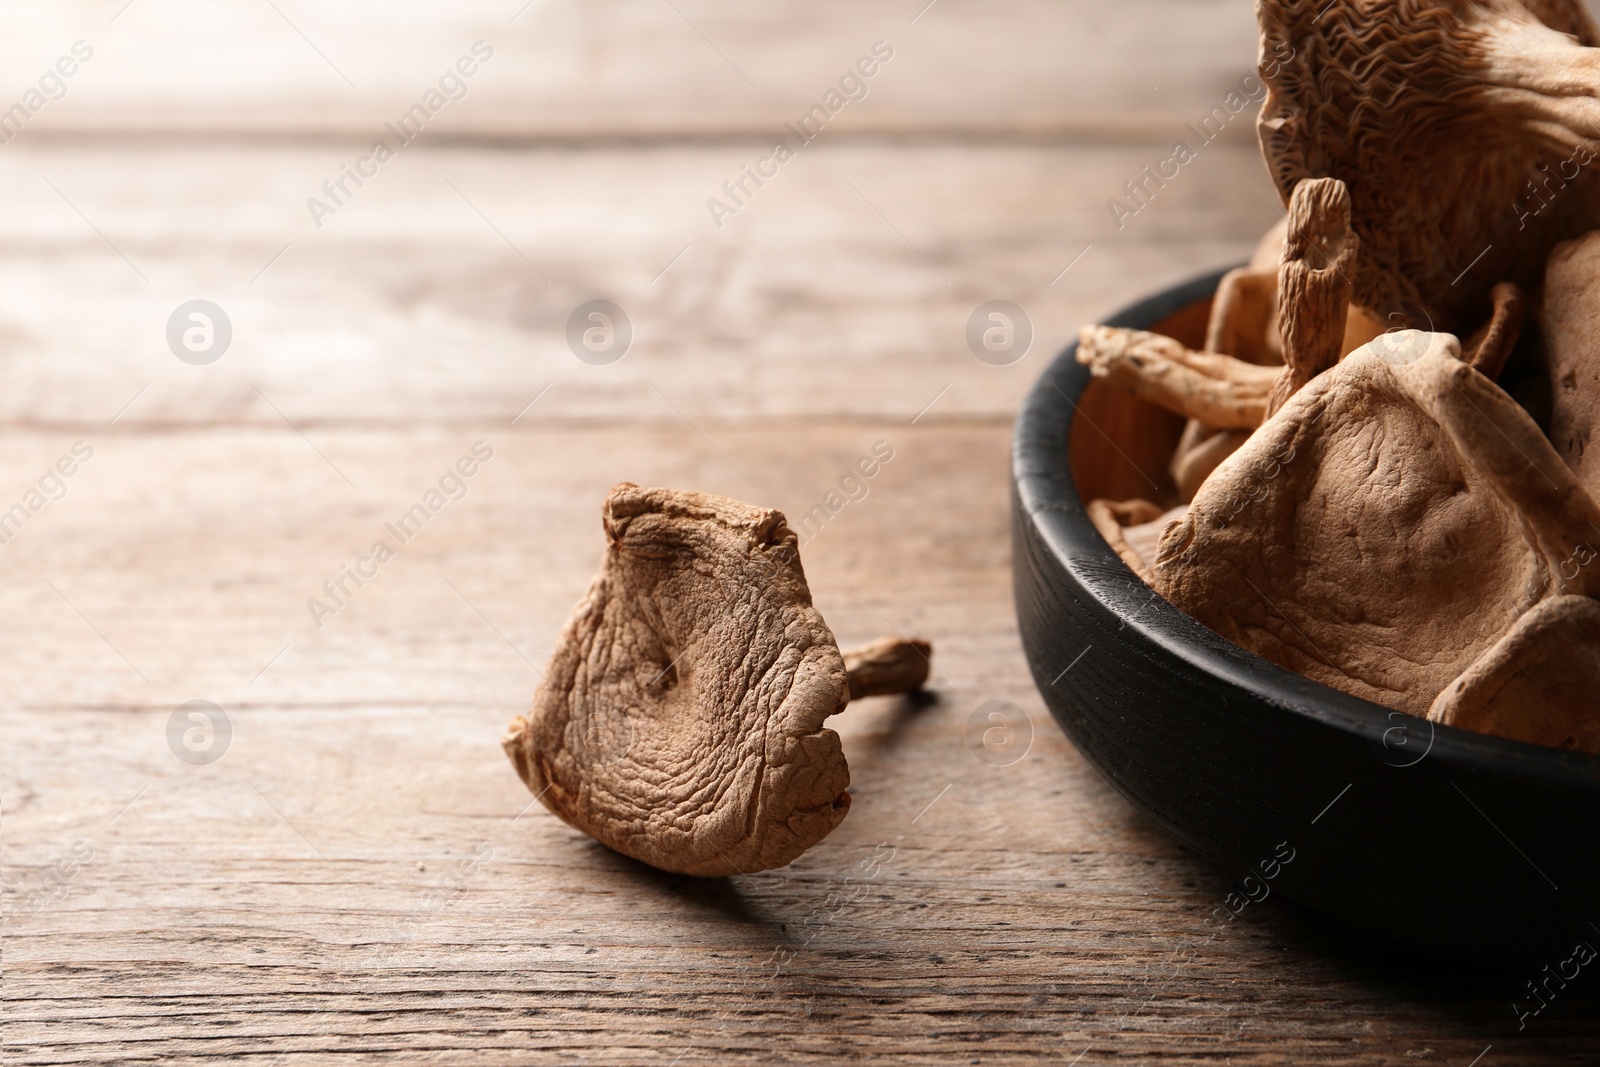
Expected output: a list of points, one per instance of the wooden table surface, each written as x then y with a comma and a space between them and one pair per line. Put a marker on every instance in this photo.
360, 876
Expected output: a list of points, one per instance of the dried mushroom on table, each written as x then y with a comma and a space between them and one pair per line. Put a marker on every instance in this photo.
680, 719
1389, 475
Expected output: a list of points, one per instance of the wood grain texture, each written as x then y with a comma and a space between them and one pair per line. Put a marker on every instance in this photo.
593, 69
305, 896
361, 879
858, 263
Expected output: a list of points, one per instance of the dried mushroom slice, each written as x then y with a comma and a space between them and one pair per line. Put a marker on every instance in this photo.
1133, 529
1462, 128
681, 717
1538, 682
1144, 539
1336, 541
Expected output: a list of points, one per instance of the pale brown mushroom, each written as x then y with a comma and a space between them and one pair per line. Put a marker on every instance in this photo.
680, 720
1462, 128
1572, 345
1539, 682
1382, 531
1245, 316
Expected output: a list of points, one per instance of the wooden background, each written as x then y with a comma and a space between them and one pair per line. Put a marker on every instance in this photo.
360, 877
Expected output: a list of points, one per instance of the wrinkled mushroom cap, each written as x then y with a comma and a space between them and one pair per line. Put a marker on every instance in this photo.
1538, 682
1385, 528
680, 719
1437, 115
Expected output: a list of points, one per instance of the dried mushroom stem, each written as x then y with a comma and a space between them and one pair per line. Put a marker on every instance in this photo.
1314, 284
888, 666
1220, 391
1464, 130
1489, 348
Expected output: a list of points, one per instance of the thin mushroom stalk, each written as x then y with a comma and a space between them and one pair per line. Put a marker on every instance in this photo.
1489, 348
888, 667
1464, 130
1219, 391
1314, 284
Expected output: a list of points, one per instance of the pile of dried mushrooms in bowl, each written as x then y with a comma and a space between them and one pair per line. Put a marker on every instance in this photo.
1388, 480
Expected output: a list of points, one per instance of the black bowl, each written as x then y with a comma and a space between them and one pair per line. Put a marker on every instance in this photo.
1458, 842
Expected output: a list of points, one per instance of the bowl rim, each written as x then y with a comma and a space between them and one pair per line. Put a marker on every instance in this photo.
1047, 499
